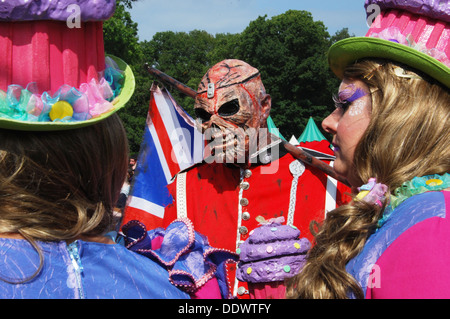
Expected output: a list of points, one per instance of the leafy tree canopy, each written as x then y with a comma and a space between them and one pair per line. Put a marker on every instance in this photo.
290, 50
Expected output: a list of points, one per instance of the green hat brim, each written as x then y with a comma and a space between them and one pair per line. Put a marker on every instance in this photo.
350, 50
120, 101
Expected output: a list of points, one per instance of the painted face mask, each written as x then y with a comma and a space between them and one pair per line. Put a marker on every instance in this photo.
231, 108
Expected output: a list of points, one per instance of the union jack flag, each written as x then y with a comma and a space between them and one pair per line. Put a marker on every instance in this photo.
171, 143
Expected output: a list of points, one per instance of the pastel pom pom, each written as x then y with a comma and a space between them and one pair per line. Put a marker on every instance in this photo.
434, 182
61, 110
362, 194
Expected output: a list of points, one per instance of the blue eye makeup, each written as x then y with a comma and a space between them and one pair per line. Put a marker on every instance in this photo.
347, 96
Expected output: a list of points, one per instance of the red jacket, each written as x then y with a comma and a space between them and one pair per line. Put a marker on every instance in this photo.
223, 201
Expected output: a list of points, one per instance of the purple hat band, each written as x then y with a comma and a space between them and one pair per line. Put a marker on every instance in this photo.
60, 10
412, 32
423, 25
435, 9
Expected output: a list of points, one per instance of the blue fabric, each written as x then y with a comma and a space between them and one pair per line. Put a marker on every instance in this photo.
411, 212
186, 254
106, 271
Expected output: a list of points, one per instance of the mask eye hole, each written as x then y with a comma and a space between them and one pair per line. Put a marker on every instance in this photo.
229, 108
202, 114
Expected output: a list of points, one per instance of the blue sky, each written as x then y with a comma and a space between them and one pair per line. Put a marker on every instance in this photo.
233, 16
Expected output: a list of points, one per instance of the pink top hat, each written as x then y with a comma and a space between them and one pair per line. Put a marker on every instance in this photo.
54, 71
412, 32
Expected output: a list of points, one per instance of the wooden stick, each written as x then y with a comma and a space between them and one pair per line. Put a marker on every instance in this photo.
303, 156
168, 80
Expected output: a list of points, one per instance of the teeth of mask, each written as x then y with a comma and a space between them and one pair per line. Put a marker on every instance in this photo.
217, 135
230, 137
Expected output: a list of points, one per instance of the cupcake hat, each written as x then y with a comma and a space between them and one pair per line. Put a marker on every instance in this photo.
55, 75
412, 32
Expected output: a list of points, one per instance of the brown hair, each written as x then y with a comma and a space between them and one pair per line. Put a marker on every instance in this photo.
408, 136
61, 185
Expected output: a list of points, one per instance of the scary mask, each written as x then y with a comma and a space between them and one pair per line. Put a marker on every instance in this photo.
232, 108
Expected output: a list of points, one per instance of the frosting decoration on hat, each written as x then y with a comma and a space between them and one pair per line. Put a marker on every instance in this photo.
31, 10
412, 32
54, 74
68, 104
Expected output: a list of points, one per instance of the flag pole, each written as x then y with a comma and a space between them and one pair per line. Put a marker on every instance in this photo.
296, 152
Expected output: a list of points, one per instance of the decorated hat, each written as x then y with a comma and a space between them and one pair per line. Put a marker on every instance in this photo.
55, 74
411, 32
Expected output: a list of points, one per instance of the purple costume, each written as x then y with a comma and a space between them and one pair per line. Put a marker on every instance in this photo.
273, 252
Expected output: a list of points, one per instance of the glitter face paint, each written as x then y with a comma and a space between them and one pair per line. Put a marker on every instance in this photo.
348, 123
356, 108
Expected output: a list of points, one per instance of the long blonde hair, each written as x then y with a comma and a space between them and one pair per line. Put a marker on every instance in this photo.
408, 135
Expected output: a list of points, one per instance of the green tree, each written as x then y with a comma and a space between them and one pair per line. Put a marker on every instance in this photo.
290, 50
121, 39
225, 47
340, 35
120, 35
186, 57
127, 3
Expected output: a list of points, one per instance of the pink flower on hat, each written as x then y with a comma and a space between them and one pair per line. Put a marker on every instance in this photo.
394, 34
